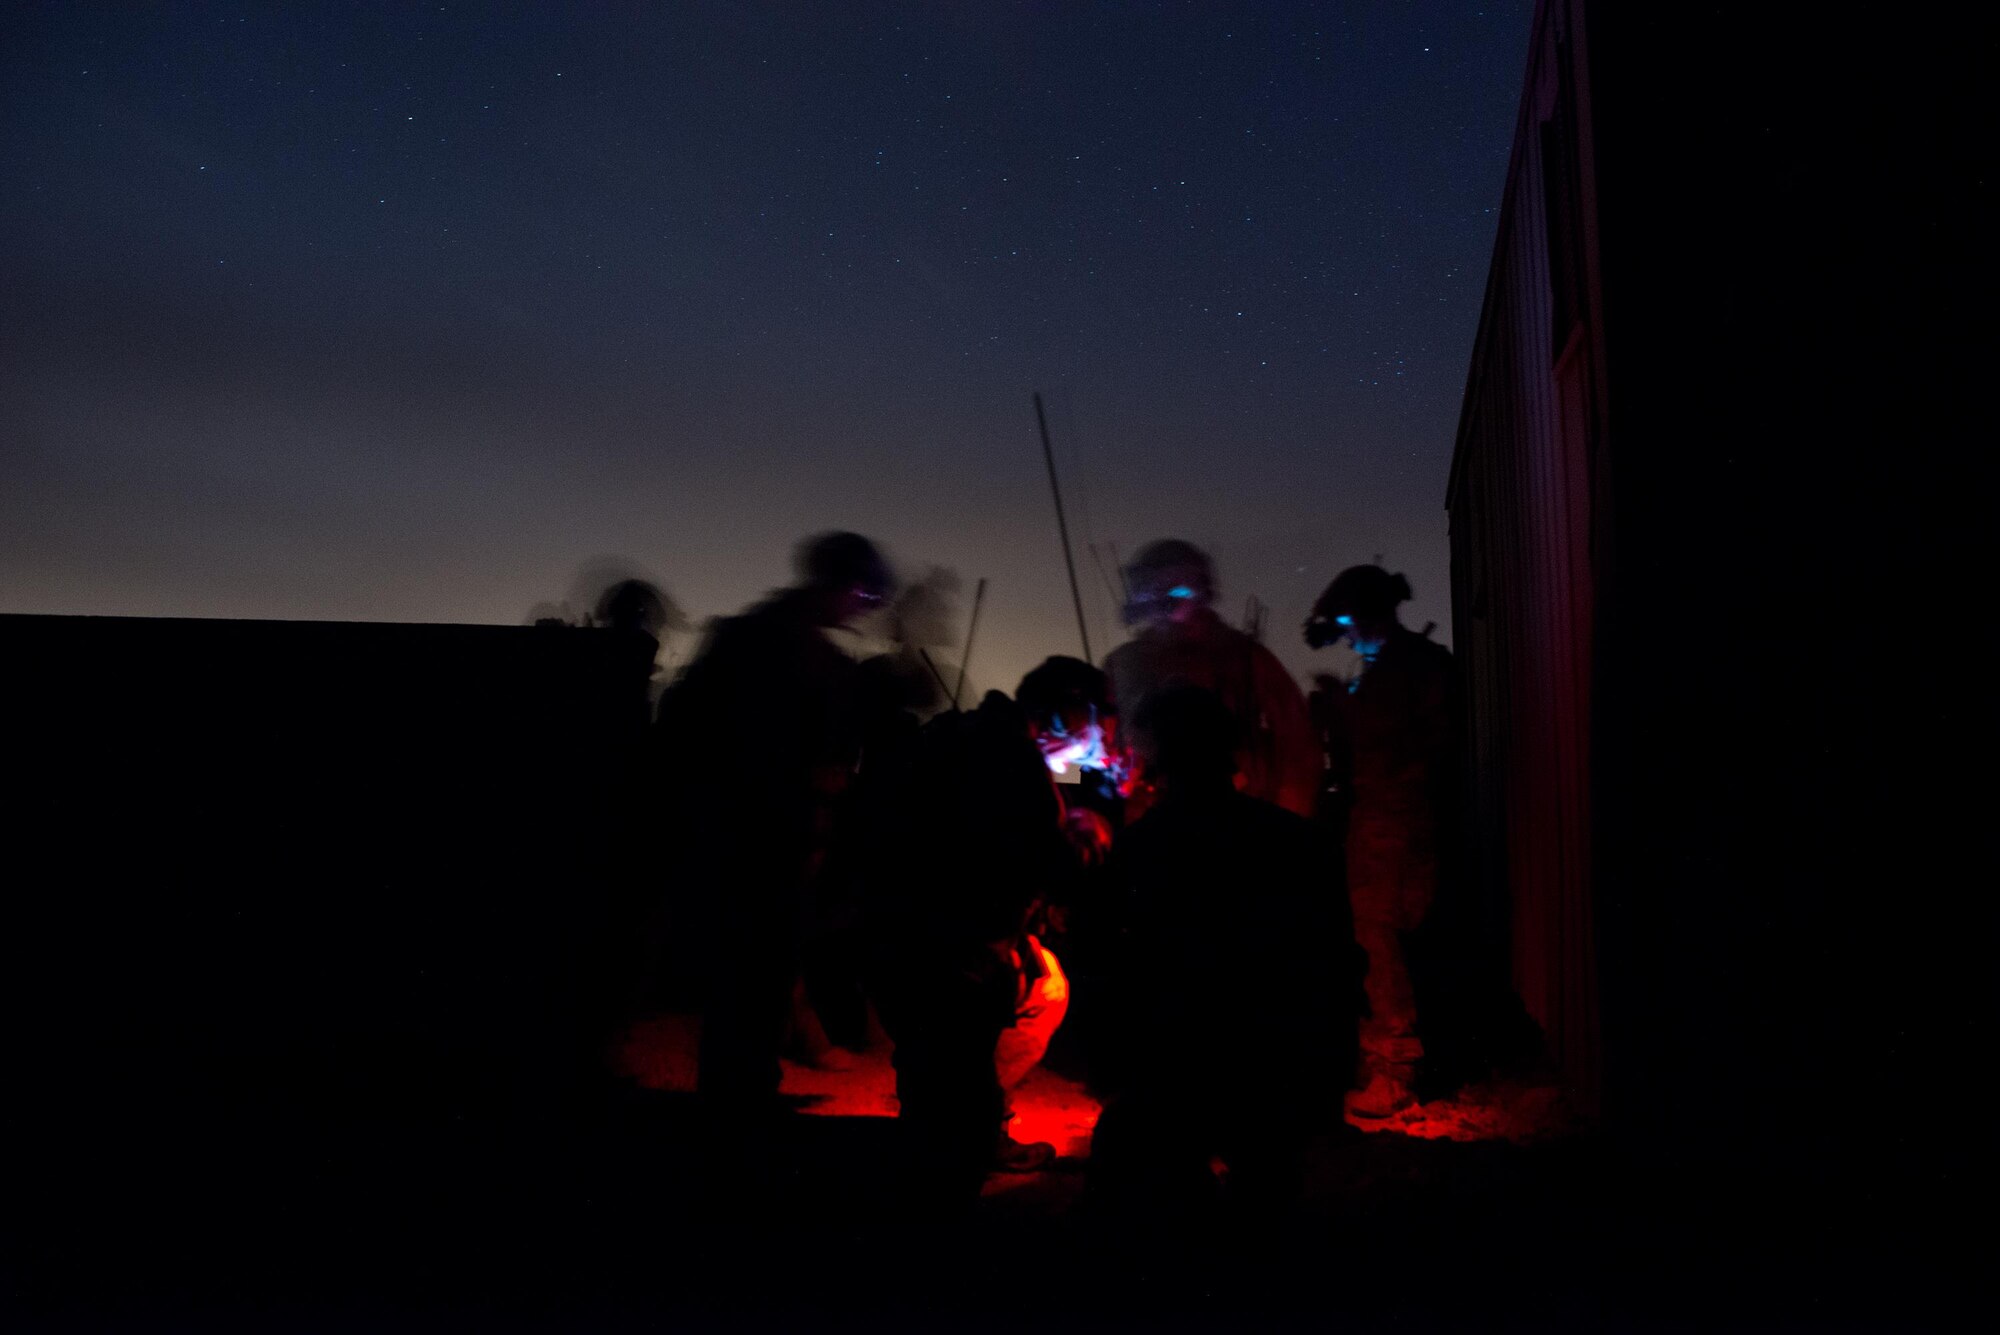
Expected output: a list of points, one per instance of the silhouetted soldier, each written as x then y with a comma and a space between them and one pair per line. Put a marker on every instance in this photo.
1395, 730
839, 948
761, 737
1238, 986
638, 612
966, 990
1181, 641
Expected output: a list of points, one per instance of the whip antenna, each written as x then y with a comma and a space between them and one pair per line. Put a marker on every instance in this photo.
1062, 526
971, 629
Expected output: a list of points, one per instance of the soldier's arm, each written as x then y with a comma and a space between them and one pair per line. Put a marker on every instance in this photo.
1295, 744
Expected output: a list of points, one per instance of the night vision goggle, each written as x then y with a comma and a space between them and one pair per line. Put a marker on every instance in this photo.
1142, 605
1323, 630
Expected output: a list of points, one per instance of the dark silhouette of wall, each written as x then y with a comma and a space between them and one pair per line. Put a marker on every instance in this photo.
1712, 545
1523, 509
281, 873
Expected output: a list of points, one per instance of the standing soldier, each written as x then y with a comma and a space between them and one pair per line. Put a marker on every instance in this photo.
1394, 733
762, 734
1254, 988
1182, 642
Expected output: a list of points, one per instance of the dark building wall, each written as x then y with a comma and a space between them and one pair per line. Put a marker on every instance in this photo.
1523, 517
1713, 580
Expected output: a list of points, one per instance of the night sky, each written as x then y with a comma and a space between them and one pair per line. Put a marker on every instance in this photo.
406, 312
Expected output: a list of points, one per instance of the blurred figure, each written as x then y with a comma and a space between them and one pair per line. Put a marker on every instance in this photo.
610, 593
639, 614
920, 672
899, 689
633, 605
1238, 983
1181, 641
1394, 732
632, 617
760, 735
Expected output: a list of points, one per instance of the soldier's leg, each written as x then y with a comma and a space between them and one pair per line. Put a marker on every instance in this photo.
1388, 900
1036, 1019
945, 1021
1390, 1047
747, 1006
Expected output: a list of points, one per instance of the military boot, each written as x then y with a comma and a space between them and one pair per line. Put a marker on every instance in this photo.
1386, 1093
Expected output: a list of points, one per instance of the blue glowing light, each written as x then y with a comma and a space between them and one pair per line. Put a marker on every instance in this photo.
1180, 591
1345, 620
1084, 748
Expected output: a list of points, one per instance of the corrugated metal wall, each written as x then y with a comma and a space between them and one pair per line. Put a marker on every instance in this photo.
1522, 522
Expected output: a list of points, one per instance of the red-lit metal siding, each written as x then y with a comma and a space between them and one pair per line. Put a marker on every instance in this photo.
1523, 514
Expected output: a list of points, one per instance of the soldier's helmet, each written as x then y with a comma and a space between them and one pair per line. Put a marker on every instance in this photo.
634, 604
1063, 686
1358, 591
1166, 573
844, 561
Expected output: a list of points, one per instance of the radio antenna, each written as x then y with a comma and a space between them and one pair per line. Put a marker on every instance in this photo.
971, 629
1062, 526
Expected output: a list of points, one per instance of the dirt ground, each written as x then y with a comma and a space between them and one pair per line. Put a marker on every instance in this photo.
1495, 1209
631, 1213
658, 1054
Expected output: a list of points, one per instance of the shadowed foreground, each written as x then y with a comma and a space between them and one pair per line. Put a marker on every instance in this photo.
306, 951
622, 1215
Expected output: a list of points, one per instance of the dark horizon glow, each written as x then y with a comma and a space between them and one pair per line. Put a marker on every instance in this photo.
405, 313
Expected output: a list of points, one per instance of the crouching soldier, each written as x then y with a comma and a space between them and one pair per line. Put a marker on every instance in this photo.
966, 986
